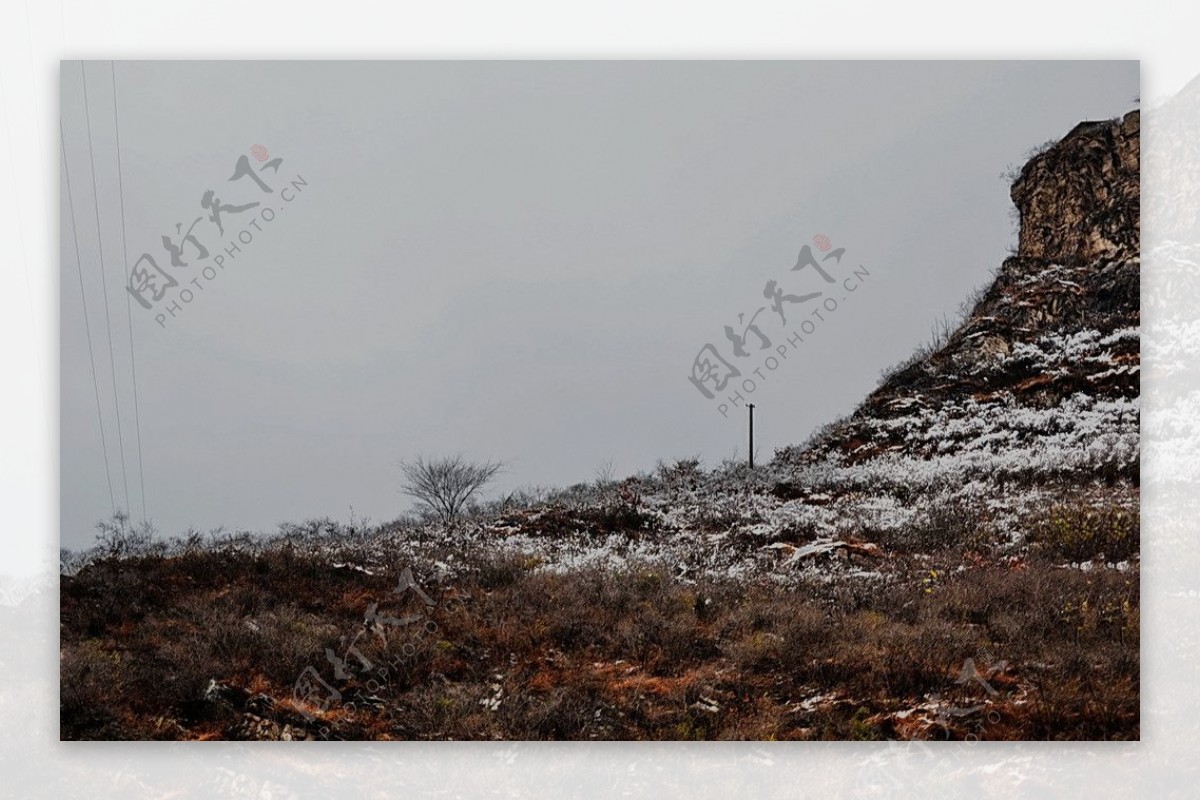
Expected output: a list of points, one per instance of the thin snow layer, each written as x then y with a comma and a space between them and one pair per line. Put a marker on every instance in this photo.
1062, 354
997, 462
967, 440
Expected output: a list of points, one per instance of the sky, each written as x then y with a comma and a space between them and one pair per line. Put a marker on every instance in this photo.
518, 261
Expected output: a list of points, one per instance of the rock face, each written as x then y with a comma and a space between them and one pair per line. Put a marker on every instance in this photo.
1078, 200
1047, 364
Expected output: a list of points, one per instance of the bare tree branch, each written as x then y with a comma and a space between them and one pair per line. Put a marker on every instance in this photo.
445, 485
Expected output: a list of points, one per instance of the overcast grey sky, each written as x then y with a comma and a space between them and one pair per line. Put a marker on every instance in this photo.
516, 260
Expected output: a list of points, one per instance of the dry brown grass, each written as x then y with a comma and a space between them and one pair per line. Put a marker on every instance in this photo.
525, 653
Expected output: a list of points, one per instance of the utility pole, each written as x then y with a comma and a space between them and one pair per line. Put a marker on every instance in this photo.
750, 406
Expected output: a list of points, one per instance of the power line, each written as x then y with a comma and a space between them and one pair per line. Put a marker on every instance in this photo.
86, 324
112, 359
137, 418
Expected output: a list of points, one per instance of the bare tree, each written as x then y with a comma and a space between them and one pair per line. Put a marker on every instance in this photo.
445, 485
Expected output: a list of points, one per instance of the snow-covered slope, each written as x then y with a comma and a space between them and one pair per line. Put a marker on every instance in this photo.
1031, 403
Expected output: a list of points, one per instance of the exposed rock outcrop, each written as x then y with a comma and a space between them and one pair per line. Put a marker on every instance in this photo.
1078, 199
1050, 354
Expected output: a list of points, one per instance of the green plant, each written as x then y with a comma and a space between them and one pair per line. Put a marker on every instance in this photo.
1079, 533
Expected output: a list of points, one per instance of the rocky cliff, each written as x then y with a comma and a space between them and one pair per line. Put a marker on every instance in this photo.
1078, 200
1042, 376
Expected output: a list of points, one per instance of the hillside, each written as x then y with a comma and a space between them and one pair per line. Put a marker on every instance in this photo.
958, 558
1041, 380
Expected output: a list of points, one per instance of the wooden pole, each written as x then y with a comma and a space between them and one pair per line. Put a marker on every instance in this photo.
750, 406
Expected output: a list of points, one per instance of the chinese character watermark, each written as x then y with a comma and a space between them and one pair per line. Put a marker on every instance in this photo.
195, 255
756, 353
